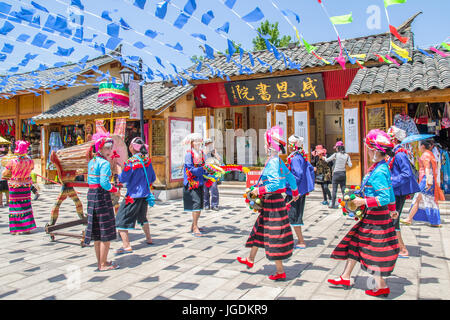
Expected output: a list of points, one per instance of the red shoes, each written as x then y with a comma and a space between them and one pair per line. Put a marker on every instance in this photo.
246, 262
345, 283
380, 292
278, 277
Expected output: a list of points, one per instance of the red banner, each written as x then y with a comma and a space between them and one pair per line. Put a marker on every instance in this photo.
252, 178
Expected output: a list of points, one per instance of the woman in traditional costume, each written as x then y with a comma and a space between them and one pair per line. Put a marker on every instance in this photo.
18, 173
403, 180
425, 205
138, 174
272, 230
372, 241
303, 172
193, 172
101, 221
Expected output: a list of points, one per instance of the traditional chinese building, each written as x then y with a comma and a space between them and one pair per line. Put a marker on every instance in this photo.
312, 103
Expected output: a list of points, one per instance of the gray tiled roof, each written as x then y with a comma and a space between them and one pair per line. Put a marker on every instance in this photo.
422, 73
369, 45
156, 96
27, 80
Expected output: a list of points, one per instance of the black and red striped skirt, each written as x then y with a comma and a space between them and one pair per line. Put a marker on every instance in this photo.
373, 242
272, 230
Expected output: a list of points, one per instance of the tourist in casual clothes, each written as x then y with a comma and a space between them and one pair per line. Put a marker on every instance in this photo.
403, 180
341, 160
322, 172
303, 172
211, 157
101, 221
425, 205
372, 241
134, 207
18, 172
272, 230
193, 172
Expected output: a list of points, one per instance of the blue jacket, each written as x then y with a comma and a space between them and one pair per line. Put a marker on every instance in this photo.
276, 177
134, 176
99, 172
197, 172
403, 179
303, 172
377, 187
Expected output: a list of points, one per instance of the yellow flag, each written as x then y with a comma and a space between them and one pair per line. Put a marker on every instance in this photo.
400, 51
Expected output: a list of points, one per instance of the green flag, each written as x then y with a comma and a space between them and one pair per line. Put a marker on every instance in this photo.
387, 3
342, 19
309, 47
446, 46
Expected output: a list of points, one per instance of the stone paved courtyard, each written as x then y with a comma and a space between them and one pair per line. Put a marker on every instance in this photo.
180, 266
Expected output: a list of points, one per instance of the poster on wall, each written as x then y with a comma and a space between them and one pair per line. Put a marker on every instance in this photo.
179, 129
281, 121
301, 127
135, 99
351, 136
200, 125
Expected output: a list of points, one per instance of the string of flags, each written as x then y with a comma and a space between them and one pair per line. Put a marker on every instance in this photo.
48, 28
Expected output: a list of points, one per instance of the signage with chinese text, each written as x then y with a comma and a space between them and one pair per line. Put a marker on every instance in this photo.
280, 89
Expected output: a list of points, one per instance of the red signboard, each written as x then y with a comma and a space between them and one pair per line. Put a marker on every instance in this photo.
252, 178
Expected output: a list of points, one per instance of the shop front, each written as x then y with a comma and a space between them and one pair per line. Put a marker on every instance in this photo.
312, 106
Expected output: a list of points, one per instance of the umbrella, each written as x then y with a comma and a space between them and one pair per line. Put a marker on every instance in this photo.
416, 137
113, 93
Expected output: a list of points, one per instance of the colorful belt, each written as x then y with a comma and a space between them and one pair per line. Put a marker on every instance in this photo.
94, 186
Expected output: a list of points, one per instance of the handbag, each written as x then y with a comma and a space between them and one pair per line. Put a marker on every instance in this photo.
150, 198
421, 116
319, 178
445, 122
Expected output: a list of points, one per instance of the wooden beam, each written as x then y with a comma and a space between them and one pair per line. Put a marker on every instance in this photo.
434, 95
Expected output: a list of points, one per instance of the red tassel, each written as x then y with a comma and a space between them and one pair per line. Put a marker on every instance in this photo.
394, 31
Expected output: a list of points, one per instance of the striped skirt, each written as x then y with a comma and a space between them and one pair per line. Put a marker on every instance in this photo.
272, 230
20, 211
101, 220
373, 242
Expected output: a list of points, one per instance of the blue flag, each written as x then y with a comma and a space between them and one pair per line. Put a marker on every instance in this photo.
7, 28
139, 45
207, 17
253, 16
181, 20
77, 3
190, 7
209, 52
5, 8
151, 34
140, 3
38, 6
230, 3
23, 37
161, 9
113, 43
105, 15
64, 52
199, 35
112, 30
7, 48
124, 25
225, 28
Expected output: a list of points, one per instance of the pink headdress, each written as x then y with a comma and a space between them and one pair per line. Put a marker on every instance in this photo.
100, 139
379, 140
274, 138
339, 144
136, 145
21, 147
319, 151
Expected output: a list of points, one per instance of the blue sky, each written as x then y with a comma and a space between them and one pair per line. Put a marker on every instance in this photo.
430, 28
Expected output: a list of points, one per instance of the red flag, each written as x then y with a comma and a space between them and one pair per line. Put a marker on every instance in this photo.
394, 31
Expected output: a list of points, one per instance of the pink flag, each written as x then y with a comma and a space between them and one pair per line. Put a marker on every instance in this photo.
120, 127
392, 60
135, 110
439, 52
99, 127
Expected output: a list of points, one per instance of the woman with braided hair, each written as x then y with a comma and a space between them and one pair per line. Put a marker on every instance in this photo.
272, 230
101, 225
372, 241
